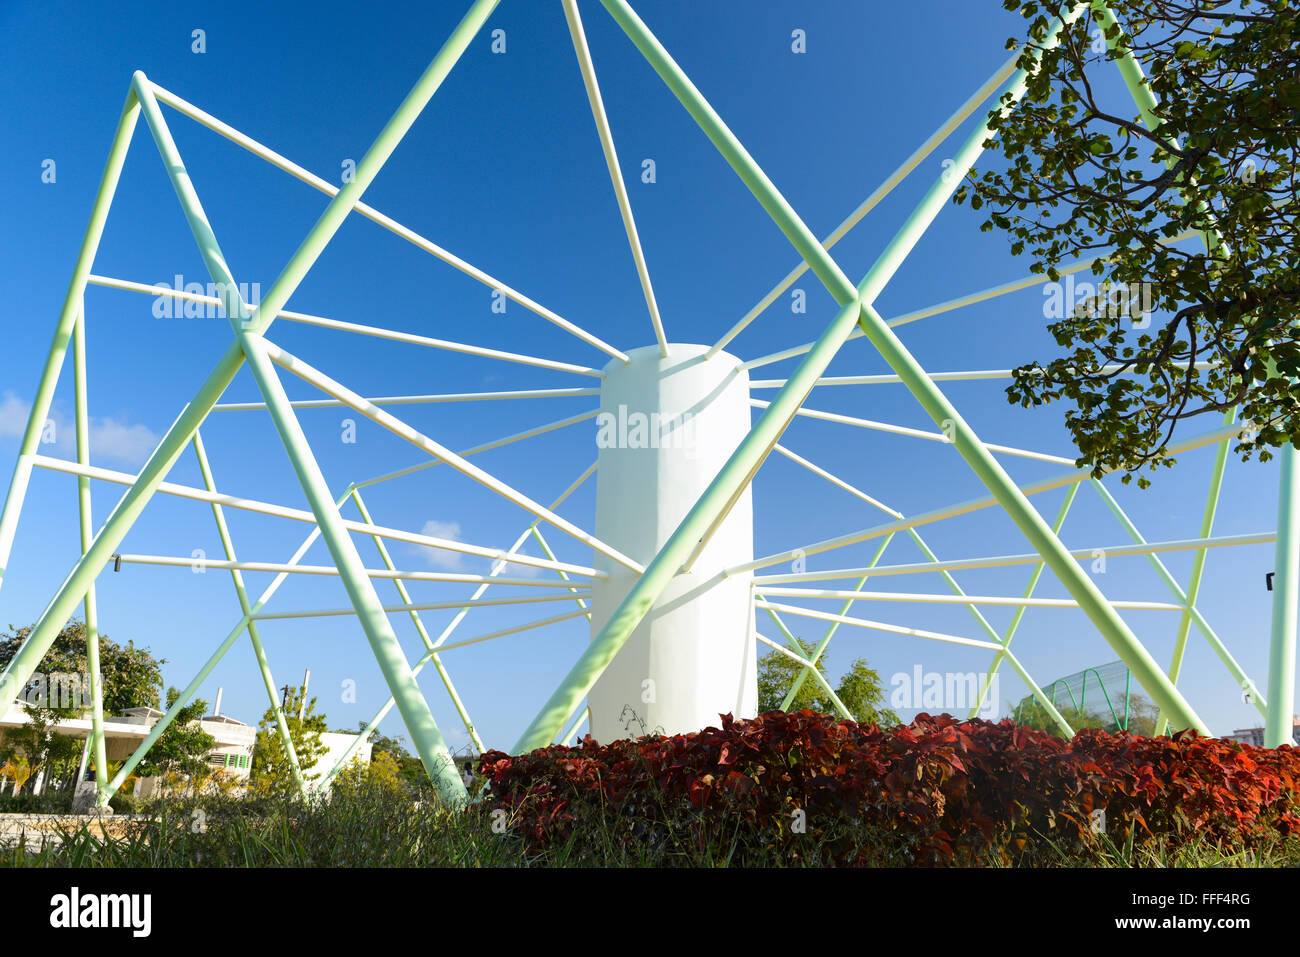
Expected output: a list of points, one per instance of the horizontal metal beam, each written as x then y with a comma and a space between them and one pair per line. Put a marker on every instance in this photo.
483, 447
877, 625
354, 327
457, 578
422, 606
961, 376
962, 599
915, 433
580, 613
1000, 561
303, 515
415, 399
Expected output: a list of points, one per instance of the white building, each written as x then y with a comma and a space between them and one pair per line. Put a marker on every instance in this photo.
336, 745
232, 750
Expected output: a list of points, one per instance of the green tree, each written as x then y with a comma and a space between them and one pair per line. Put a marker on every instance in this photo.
271, 772
183, 747
860, 688
382, 775
408, 765
1085, 177
132, 677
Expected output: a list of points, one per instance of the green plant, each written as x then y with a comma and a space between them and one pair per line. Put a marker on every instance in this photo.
781, 787
860, 689
181, 750
271, 773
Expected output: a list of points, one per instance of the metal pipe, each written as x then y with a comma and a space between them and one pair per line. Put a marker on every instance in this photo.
86, 526
1279, 723
259, 652
417, 717
72, 306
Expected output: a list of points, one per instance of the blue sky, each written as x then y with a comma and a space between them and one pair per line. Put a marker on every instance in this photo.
505, 170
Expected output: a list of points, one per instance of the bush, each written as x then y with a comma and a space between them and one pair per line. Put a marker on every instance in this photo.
804, 787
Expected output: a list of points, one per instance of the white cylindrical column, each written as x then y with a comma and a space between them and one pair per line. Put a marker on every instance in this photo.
666, 427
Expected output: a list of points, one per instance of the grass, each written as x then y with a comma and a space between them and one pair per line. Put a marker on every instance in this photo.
386, 829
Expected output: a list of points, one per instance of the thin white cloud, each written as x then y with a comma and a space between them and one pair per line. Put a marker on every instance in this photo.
110, 438
117, 440
13, 415
440, 557
516, 570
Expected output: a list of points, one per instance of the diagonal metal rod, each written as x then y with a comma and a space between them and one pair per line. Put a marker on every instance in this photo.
1028, 282
1198, 561
797, 651
378, 332
415, 399
962, 376
917, 433
830, 631
370, 727
420, 629
1030, 558
959, 595
414, 709
484, 447
413, 606
1014, 625
72, 307
513, 630
1282, 655
499, 566
259, 651
546, 550
835, 480
579, 37
411, 704
876, 625
567, 734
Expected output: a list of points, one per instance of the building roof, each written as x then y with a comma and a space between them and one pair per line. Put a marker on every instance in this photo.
227, 719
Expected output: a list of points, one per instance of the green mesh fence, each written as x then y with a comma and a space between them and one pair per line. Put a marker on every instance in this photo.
1102, 694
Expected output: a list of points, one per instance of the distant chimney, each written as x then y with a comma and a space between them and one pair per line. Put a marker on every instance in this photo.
216, 708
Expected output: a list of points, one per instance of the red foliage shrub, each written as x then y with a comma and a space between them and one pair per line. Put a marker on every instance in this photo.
935, 791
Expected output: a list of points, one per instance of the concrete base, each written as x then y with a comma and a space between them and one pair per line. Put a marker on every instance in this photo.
84, 798
665, 429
